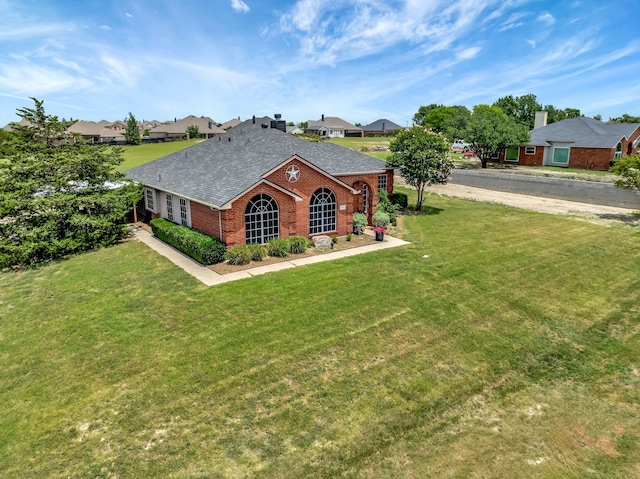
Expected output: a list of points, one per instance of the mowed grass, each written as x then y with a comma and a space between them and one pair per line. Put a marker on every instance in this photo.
139, 154
512, 350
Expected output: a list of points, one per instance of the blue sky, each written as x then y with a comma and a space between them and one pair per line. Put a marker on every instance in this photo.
360, 60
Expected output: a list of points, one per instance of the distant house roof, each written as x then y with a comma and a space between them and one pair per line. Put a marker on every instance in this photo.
216, 171
583, 132
179, 127
230, 124
86, 128
294, 130
382, 125
332, 122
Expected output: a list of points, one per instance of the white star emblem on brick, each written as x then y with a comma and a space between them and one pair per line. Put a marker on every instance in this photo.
293, 173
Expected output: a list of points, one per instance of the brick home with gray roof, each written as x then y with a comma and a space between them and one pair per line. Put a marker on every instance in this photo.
581, 142
255, 183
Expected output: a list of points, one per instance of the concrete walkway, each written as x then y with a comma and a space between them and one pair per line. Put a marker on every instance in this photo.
211, 278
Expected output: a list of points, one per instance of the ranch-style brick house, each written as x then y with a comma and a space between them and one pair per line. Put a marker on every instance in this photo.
581, 142
255, 183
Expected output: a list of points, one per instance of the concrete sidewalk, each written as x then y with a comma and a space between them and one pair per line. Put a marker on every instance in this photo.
211, 278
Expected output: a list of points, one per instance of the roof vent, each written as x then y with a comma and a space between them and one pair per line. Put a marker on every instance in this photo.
277, 116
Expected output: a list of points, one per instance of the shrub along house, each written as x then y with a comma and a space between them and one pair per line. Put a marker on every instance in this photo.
255, 183
577, 143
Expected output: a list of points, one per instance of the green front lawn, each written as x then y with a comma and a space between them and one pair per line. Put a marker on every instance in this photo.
512, 350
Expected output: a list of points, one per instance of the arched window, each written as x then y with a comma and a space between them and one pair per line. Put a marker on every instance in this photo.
618, 153
261, 219
322, 211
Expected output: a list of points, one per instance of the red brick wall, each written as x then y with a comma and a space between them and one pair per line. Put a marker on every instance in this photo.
591, 158
205, 219
531, 160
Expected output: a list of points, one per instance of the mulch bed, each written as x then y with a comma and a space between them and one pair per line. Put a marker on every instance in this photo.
342, 244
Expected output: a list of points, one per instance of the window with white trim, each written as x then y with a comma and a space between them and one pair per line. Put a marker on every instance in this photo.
169, 197
150, 199
529, 150
178, 209
261, 220
560, 156
511, 154
322, 211
382, 182
184, 212
618, 153
365, 197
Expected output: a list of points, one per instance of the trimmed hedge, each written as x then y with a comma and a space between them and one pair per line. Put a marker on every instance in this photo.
203, 248
400, 199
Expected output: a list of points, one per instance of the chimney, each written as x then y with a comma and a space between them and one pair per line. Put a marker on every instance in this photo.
541, 119
254, 119
322, 117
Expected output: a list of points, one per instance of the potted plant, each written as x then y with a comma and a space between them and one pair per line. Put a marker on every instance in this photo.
379, 231
380, 220
359, 222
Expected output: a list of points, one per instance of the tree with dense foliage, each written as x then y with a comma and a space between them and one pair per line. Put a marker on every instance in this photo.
521, 108
420, 118
625, 118
491, 131
629, 170
132, 132
451, 121
557, 114
193, 131
59, 197
422, 157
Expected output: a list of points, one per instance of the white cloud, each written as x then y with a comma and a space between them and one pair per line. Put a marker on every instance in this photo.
127, 14
32, 80
122, 72
34, 30
468, 53
240, 6
546, 18
105, 27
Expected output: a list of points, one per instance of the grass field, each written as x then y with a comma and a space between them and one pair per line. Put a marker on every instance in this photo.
513, 350
139, 154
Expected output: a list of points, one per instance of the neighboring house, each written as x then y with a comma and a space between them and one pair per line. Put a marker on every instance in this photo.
294, 130
230, 124
577, 143
382, 127
333, 127
177, 129
256, 183
101, 132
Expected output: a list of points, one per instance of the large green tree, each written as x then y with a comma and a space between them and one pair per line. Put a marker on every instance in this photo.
131, 131
422, 157
628, 168
491, 131
58, 195
521, 108
558, 114
451, 121
625, 118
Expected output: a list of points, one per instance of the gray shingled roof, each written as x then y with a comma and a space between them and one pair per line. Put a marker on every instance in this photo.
381, 125
217, 170
331, 122
583, 132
